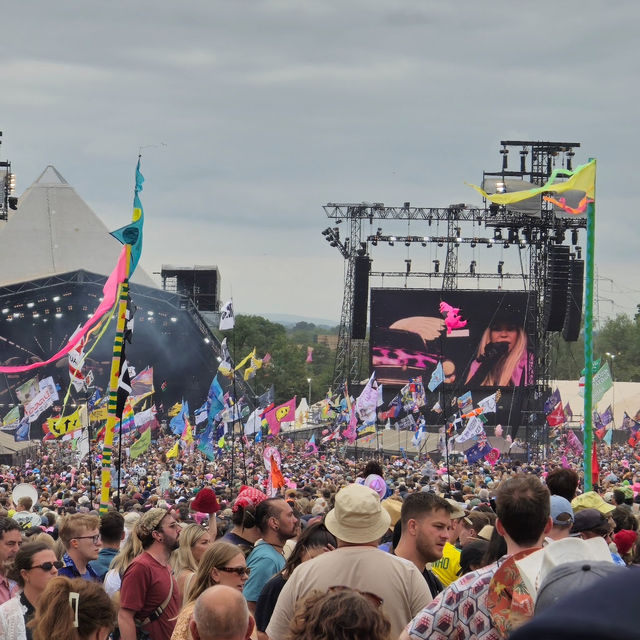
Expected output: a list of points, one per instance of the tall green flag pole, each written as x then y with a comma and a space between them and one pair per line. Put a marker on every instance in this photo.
588, 345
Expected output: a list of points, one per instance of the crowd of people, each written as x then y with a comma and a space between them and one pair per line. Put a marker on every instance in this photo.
347, 549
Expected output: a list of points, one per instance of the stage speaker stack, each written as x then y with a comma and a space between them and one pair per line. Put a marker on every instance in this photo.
360, 297
573, 314
555, 288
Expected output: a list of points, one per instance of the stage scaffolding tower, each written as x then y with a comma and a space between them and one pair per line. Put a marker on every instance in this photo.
537, 160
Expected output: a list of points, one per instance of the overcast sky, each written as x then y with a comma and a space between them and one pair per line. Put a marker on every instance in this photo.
255, 114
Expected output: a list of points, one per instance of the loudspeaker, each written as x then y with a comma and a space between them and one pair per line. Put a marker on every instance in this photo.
573, 315
360, 297
555, 288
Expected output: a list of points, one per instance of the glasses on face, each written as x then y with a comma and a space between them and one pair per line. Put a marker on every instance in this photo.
374, 599
47, 566
241, 571
95, 539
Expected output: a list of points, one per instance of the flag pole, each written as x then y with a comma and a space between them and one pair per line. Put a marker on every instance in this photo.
588, 345
118, 343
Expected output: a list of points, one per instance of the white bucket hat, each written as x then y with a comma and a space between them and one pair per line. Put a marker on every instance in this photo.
357, 516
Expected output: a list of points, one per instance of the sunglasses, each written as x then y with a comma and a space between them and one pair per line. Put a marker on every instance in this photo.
95, 539
374, 599
241, 571
47, 566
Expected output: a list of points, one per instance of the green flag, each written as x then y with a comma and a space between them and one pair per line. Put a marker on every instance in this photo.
602, 382
141, 445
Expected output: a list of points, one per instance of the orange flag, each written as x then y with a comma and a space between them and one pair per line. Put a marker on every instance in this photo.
277, 479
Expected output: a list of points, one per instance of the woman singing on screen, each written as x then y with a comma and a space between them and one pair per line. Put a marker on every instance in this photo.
502, 359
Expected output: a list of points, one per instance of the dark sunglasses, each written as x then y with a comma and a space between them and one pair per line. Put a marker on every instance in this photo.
374, 599
47, 566
239, 570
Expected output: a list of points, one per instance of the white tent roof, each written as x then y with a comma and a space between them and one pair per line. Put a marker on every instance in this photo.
55, 231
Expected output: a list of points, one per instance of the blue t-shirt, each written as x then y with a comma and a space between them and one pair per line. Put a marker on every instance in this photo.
264, 561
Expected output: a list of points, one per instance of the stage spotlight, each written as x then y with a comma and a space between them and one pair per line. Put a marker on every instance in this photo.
374, 242
523, 158
407, 243
497, 233
523, 244
408, 263
16, 315
207, 340
506, 245
440, 244
570, 155
149, 313
5, 311
494, 209
37, 315
392, 240
473, 243
436, 266
472, 267
339, 221
501, 187
174, 319
579, 253
490, 243
500, 265
407, 205
513, 236
505, 157
559, 236
30, 305
58, 315
574, 236
56, 298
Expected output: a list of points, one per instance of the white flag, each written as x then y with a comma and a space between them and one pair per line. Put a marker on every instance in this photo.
474, 428
83, 444
227, 319
253, 423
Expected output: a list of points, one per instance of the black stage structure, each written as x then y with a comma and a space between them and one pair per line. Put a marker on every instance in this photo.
548, 264
39, 316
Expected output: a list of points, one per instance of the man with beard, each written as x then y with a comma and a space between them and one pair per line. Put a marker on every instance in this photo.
149, 595
10, 541
277, 523
425, 519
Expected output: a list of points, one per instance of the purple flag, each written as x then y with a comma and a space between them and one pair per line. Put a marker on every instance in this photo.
552, 401
606, 417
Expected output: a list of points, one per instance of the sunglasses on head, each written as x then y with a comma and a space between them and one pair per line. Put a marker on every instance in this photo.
238, 570
47, 566
374, 599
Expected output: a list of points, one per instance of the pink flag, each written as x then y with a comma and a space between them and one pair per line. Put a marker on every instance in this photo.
282, 413
309, 354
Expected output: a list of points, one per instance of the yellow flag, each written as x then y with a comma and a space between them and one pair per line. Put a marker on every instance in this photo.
173, 452
582, 179
245, 360
98, 414
61, 426
175, 410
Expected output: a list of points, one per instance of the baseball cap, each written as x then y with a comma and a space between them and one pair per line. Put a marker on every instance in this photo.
458, 509
561, 511
588, 519
570, 577
591, 500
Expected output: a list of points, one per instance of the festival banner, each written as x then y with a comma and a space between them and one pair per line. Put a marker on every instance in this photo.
227, 318
61, 426
474, 428
146, 419
556, 418
142, 385
28, 390
75, 359
99, 414
41, 402
488, 404
14, 416
282, 413
141, 444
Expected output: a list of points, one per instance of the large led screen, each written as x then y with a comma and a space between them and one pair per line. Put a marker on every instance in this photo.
481, 338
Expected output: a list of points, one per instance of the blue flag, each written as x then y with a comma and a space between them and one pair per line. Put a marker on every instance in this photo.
132, 233
215, 400
437, 377
177, 422
206, 442
259, 436
22, 433
477, 452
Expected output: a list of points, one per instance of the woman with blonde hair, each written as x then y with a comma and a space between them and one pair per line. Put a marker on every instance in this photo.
73, 610
502, 359
222, 563
194, 541
131, 549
